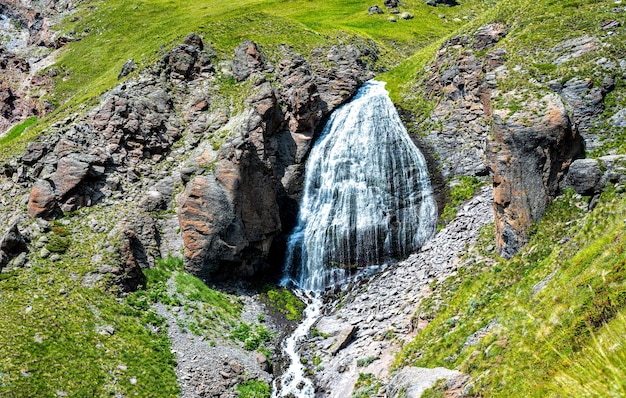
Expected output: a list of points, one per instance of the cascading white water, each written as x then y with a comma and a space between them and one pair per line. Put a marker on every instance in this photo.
367, 198
367, 195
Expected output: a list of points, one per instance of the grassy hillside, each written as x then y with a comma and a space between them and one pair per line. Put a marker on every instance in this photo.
114, 31
545, 323
533, 325
535, 29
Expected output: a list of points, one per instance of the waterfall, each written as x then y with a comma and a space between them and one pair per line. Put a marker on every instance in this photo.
367, 199
367, 196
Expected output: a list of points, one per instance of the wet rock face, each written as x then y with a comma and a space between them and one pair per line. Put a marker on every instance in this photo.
529, 154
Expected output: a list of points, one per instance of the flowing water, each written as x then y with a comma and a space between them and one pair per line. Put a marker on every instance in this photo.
367, 200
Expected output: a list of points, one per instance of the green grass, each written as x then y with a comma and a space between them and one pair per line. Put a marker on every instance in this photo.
115, 31
284, 301
17, 130
599, 369
55, 332
252, 336
253, 389
367, 385
535, 330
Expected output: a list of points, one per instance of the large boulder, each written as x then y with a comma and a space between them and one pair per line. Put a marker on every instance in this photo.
12, 244
584, 176
448, 3
248, 59
530, 151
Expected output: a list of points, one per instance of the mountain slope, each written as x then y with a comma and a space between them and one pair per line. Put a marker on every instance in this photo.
198, 152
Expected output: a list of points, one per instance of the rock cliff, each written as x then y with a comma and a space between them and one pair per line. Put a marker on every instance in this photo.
525, 138
240, 168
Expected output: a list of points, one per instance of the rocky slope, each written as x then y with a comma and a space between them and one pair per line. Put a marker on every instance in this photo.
361, 331
525, 137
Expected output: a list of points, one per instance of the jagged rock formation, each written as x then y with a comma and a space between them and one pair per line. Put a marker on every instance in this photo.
528, 155
30, 40
466, 85
242, 171
527, 151
259, 169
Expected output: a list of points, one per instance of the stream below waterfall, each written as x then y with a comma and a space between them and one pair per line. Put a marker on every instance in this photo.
367, 200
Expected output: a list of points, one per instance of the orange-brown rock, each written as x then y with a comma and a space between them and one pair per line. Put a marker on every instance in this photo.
528, 155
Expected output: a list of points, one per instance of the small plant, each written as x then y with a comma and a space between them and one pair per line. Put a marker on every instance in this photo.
363, 362
253, 389
252, 337
367, 385
315, 332
58, 244
285, 302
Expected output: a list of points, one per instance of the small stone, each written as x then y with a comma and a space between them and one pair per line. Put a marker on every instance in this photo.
44, 253
105, 330
133, 381
374, 10
406, 15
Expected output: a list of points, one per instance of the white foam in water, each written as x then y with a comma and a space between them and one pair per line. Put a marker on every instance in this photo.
367, 199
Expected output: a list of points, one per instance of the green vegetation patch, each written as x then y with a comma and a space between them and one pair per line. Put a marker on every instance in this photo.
252, 336
367, 385
253, 389
59, 335
17, 130
282, 300
512, 325
599, 369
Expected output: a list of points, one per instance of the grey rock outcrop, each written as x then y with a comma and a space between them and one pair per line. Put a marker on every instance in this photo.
12, 244
465, 85
375, 10
448, 3
247, 60
529, 155
584, 176
128, 67
591, 176
411, 382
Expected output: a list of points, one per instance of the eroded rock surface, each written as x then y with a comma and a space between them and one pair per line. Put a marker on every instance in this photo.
529, 155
